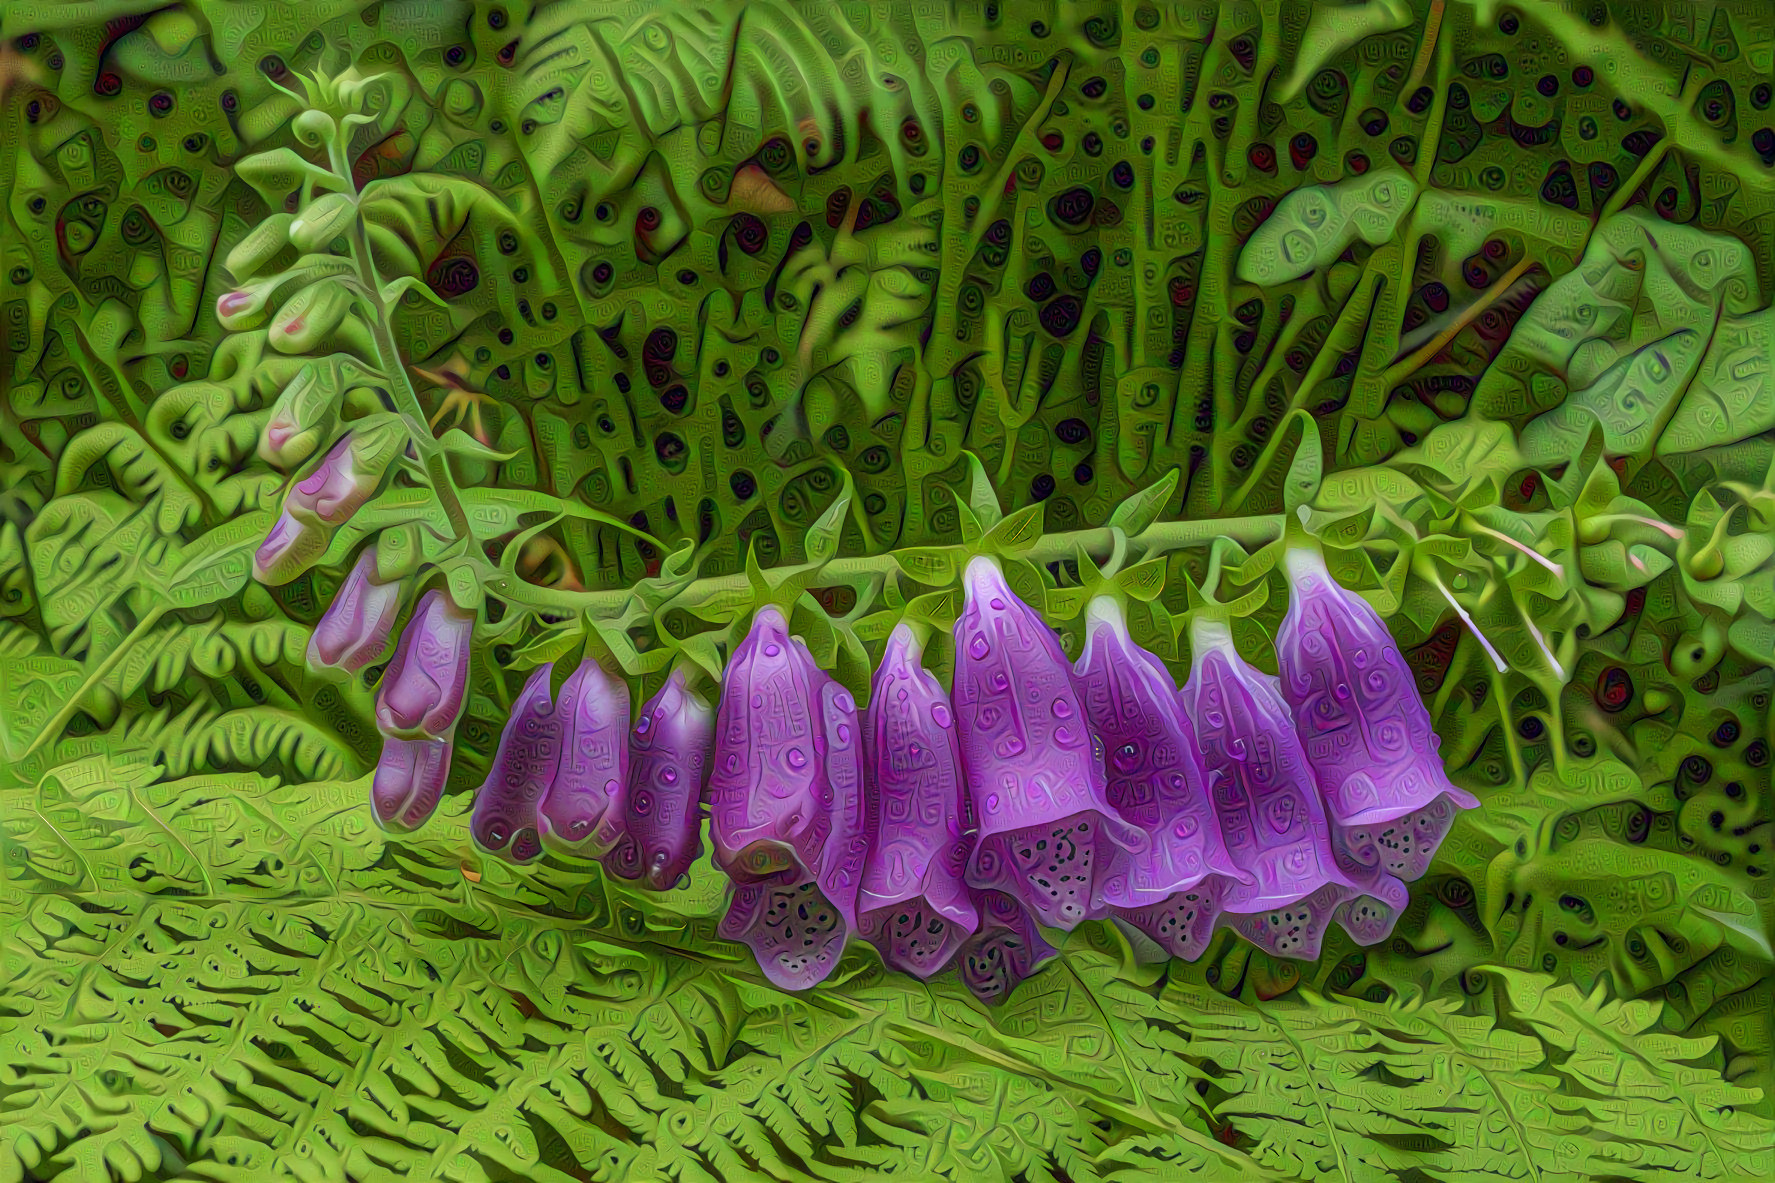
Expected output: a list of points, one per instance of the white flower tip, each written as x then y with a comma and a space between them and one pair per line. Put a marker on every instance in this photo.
1105, 612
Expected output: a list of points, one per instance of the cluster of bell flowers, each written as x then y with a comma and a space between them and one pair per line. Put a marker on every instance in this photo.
950, 828
953, 828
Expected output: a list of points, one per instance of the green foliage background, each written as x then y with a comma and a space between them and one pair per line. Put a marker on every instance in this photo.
215, 967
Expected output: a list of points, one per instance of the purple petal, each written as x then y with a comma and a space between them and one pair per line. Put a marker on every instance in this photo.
668, 763
332, 492
290, 548
1153, 778
770, 802
915, 908
409, 781
1183, 923
795, 932
355, 629
1035, 777
1007, 949
1403, 845
582, 811
1262, 788
853, 819
423, 688
504, 821
1365, 730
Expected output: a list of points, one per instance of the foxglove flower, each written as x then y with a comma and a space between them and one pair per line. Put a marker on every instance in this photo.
581, 812
290, 548
1035, 776
1263, 791
1007, 948
668, 763
355, 628
424, 686
1366, 732
505, 818
914, 906
797, 917
771, 806
303, 414
1171, 889
409, 781
348, 476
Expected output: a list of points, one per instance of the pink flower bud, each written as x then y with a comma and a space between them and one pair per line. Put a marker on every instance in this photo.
424, 686
355, 629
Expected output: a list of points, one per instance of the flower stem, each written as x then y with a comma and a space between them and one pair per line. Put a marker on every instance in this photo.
1099, 542
388, 359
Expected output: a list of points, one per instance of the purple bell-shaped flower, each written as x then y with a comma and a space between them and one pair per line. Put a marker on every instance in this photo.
418, 705
1154, 782
1365, 731
914, 906
1269, 807
1035, 775
354, 630
505, 818
581, 811
668, 765
787, 811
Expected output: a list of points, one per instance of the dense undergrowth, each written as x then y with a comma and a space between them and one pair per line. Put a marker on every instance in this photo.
1485, 288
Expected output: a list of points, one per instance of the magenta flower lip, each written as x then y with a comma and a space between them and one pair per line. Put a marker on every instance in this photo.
662, 811
581, 810
422, 690
914, 905
1154, 777
355, 629
1007, 948
1263, 790
504, 821
1034, 772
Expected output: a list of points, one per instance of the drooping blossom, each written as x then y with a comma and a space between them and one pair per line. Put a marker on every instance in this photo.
1269, 807
1154, 782
770, 803
505, 818
423, 689
418, 705
1364, 728
348, 476
1035, 777
914, 906
787, 809
301, 418
668, 765
581, 811
355, 628
409, 781
1006, 949
290, 548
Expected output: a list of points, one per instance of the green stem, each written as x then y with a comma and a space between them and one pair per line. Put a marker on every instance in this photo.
1100, 542
388, 359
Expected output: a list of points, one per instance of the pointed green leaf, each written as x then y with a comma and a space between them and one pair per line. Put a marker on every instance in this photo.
935, 566
1017, 533
1142, 508
982, 498
1143, 581
823, 535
